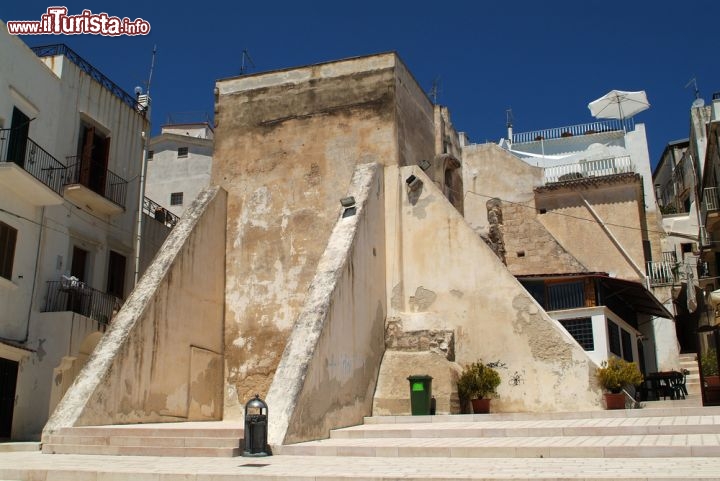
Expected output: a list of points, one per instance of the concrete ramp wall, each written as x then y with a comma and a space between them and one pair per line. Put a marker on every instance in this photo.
326, 377
443, 277
161, 358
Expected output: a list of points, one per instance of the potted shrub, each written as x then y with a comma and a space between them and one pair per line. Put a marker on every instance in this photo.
709, 367
615, 375
477, 383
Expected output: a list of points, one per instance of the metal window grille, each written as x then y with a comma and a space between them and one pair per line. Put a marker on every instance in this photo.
581, 330
568, 295
176, 198
182, 151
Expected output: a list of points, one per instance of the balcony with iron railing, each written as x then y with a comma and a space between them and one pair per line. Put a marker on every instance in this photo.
29, 170
591, 128
710, 202
74, 296
159, 213
588, 168
92, 184
662, 273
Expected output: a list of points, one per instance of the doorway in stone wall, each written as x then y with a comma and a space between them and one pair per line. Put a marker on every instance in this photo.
8, 381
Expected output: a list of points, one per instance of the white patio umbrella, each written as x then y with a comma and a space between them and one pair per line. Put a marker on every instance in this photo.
617, 104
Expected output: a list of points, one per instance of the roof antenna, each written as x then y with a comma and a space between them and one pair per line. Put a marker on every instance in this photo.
698, 102
245, 57
434, 92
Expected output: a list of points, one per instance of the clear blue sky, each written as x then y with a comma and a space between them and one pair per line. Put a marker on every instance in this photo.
544, 59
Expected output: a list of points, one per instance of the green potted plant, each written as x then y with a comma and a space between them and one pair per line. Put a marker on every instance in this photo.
709, 367
615, 375
477, 383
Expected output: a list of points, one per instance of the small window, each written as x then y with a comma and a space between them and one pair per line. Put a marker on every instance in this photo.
150, 154
8, 239
581, 329
182, 152
614, 338
176, 198
686, 247
627, 346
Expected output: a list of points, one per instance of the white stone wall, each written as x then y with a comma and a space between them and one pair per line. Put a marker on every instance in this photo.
58, 95
167, 173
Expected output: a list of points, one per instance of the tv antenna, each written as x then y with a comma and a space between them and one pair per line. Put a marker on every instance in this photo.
245, 58
698, 102
509, 117
435, 90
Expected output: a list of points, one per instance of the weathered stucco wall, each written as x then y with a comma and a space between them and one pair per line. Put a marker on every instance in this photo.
414, 118
286, 146
572, 223
530, 248
490, 171
326, 378
443, 276
161, 358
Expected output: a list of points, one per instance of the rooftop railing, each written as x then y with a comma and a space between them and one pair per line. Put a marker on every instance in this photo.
75, 296
87, 67
596, 127
159, 213
98, 179
33, 159
589, 168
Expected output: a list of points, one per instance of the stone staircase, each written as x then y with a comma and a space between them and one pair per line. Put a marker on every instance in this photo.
689, 361
213, 439
633, 433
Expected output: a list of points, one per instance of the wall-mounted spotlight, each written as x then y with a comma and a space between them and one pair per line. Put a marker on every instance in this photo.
424, 164
413, 183
348, 204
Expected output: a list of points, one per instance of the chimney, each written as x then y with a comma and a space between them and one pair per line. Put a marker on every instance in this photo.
716, 106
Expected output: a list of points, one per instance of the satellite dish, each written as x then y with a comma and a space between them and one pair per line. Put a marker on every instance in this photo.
697, 103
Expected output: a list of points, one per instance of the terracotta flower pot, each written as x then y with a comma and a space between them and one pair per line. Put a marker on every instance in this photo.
614, 400
480, 406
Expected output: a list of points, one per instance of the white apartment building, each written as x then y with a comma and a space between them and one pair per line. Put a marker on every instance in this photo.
71, 146
179, 165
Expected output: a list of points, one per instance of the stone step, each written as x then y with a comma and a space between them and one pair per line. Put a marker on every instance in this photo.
217, 439
152, 441
671, 431
164, 451
498, 429
35, 466
634, 446
681, 408
18, 447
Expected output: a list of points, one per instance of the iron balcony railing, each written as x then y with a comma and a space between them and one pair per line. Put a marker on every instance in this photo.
33, 159
574, 130
710, 199
590, 168
159, 213
75, 296
98, 179
87, 67
662, 273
